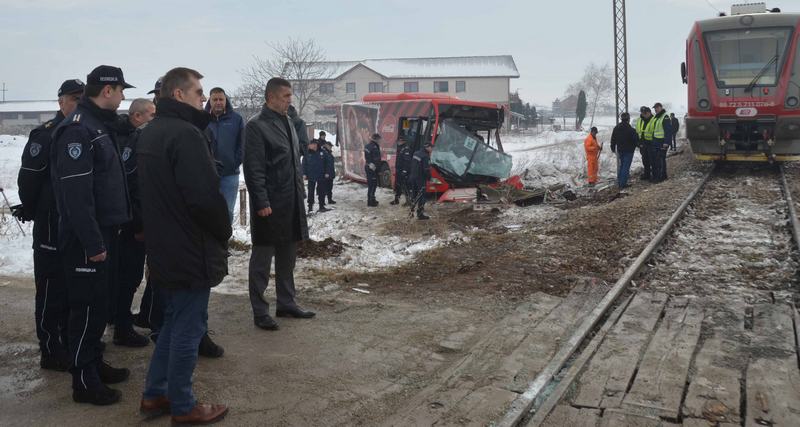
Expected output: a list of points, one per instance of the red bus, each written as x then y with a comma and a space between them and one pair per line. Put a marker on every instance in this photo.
743, 76
466, 141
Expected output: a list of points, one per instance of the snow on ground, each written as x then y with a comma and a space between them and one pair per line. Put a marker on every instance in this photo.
16, 255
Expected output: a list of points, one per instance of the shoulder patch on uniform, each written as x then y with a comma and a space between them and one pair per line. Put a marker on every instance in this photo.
76, 118
48, 124
74, 149
126, 154
35, 149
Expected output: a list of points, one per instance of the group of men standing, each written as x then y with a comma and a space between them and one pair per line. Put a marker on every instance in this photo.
319, 170
412, 173
105, 191
653, 135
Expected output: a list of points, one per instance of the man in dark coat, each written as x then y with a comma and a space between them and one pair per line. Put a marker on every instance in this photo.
329, 167
660, 127
92, 199
372, 161
227, 143
187, 229
275, 183
623, 142
131, 238
676, 125
39, 205
418, 177
402, 164
314, 171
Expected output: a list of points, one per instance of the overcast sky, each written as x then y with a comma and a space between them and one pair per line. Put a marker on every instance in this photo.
47, 41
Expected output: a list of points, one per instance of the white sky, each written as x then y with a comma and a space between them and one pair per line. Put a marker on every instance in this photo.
47, 41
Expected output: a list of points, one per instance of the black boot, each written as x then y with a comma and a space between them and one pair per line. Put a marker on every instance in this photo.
129, 338
331, 202
395, 201
111, 375
100, 396
421, 215
209, 349
53, 362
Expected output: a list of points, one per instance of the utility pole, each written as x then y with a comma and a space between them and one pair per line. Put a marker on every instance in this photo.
620, 58
4, 90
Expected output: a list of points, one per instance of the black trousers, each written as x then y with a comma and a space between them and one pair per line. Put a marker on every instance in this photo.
152, 306
372, 184
88, 291
328, 184
261, 257
644, 151
419, 199
51, 312
401, 186
129, 275
319, 187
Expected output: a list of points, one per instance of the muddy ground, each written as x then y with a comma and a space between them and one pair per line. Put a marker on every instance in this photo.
366, 353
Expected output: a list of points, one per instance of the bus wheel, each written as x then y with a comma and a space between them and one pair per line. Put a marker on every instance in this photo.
384, 176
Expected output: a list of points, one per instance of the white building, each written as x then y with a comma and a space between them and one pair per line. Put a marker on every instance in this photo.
29, 114
474, 78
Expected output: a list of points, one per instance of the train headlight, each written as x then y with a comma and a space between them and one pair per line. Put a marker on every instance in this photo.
701, 128
792, 101
704, 104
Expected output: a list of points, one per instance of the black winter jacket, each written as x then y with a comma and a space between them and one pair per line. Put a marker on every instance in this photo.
329, 163
88, 178
372, 155
314, 165
420, 169
403, 155
35, 188
624, 138
274, 179
184, 215
127, 137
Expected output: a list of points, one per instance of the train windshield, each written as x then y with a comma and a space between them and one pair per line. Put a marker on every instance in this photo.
747, 57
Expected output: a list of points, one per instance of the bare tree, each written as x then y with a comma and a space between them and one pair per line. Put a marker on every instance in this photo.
300, 61
598, 83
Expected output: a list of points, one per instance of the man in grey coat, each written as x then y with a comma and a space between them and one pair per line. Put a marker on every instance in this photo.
275, 183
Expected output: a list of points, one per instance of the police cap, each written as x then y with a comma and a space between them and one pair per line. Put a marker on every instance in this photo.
107, 75
156, 88
71, 86
376, 137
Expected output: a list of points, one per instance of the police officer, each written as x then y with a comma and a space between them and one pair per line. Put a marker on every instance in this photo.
372, 159
92, 198
156, 92
313, 169
329, 167
645, 141
402, 163
39, 205
418, 178
131, 238
659, 128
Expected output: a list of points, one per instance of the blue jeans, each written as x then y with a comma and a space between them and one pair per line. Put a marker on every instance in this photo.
229, 187
624, 169
175, 355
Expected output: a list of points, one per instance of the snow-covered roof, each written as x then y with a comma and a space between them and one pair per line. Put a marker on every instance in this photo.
454, 66
41, 106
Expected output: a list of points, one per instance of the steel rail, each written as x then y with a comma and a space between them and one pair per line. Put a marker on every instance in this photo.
522, 405
787, 192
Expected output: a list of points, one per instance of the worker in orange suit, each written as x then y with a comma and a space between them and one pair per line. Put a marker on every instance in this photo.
593, 149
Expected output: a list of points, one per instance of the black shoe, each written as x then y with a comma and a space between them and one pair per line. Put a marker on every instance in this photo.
209, 349
422, 216
266, 323
395, 202
130, 338
310, 209
111, 375
140, 320
331, 202
372, 203
54, 363
323, 209
295, 312
101, 396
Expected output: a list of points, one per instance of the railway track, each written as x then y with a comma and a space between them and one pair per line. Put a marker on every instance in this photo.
708, 332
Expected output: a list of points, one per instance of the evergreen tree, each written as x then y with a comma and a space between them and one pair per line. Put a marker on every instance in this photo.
580, 111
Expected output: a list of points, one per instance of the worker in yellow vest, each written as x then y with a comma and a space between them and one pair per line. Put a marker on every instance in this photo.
644, 144
659, 129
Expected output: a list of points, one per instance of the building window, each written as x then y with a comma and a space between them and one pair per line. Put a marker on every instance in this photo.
350, 87
326, 88
440, 87
376, 87
461, 86
410, 86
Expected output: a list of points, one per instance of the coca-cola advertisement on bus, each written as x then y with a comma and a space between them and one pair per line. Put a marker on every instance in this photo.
360, 121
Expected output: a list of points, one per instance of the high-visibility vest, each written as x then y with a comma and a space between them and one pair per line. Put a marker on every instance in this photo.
642, 129
655, 127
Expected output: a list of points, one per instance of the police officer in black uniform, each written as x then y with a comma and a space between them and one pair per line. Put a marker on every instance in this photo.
39, 205
131, 238
402, 164
329, 167
92, 198
418, 178
372, 159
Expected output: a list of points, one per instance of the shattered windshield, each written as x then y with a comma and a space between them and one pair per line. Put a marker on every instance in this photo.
747, 56
460, 152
